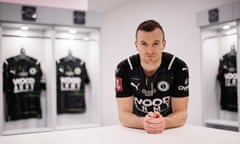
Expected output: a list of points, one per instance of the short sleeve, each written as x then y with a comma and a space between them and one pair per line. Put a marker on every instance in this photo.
181, 79
122, 86
220, 71
5, 76
85, 74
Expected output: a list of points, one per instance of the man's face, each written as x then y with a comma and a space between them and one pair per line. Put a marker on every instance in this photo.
150, 46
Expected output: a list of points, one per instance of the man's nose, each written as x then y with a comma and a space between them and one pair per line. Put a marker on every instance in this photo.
149, 49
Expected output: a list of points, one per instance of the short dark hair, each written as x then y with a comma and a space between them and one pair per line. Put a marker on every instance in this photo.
150, 25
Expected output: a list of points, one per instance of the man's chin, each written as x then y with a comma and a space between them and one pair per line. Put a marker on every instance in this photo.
151, 58
150, 61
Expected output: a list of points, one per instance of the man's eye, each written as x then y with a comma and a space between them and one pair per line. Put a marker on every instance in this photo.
156, 44
144, 44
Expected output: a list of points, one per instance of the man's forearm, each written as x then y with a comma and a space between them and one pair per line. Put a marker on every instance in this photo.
131, 120
176, 119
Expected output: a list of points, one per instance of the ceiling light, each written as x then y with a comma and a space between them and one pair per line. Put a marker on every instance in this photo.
226, 27
24, 28
73, 31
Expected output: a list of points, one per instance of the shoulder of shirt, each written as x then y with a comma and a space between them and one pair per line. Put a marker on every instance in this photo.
33, 60
82, 62
11, 60
130, 62
169, 60
172, 61
66, 57
8, 60
79, 61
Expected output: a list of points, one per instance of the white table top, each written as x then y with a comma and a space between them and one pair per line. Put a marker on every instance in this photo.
187, 134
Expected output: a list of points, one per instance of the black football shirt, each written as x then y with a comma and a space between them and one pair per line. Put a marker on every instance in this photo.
72, 77
22, 84
227, 77
151, 94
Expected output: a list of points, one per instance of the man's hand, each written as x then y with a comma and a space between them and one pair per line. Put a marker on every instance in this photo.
154, 122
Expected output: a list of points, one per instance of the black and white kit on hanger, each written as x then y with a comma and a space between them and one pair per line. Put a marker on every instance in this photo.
227, 77
72, 77
22, 86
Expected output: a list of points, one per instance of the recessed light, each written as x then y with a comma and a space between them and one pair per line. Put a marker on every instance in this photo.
73, 31
24, 28
226, 27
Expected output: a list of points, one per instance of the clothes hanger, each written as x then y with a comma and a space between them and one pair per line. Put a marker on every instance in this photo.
70, 56
22, 54
233, 50
22, 51
70, 53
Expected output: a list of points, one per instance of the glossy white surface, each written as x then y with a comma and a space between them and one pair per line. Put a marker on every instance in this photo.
187, 134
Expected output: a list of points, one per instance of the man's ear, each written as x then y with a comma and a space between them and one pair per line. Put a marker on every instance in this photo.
164, 44
136, 45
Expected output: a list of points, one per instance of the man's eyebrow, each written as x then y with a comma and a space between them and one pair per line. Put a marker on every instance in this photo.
157, 41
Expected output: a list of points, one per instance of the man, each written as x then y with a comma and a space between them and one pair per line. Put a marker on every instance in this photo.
152, 86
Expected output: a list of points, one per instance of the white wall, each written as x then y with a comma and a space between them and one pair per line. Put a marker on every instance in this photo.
178, 17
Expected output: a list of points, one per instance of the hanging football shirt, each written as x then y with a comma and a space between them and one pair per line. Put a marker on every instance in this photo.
71, 80
22, 88
227, 77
